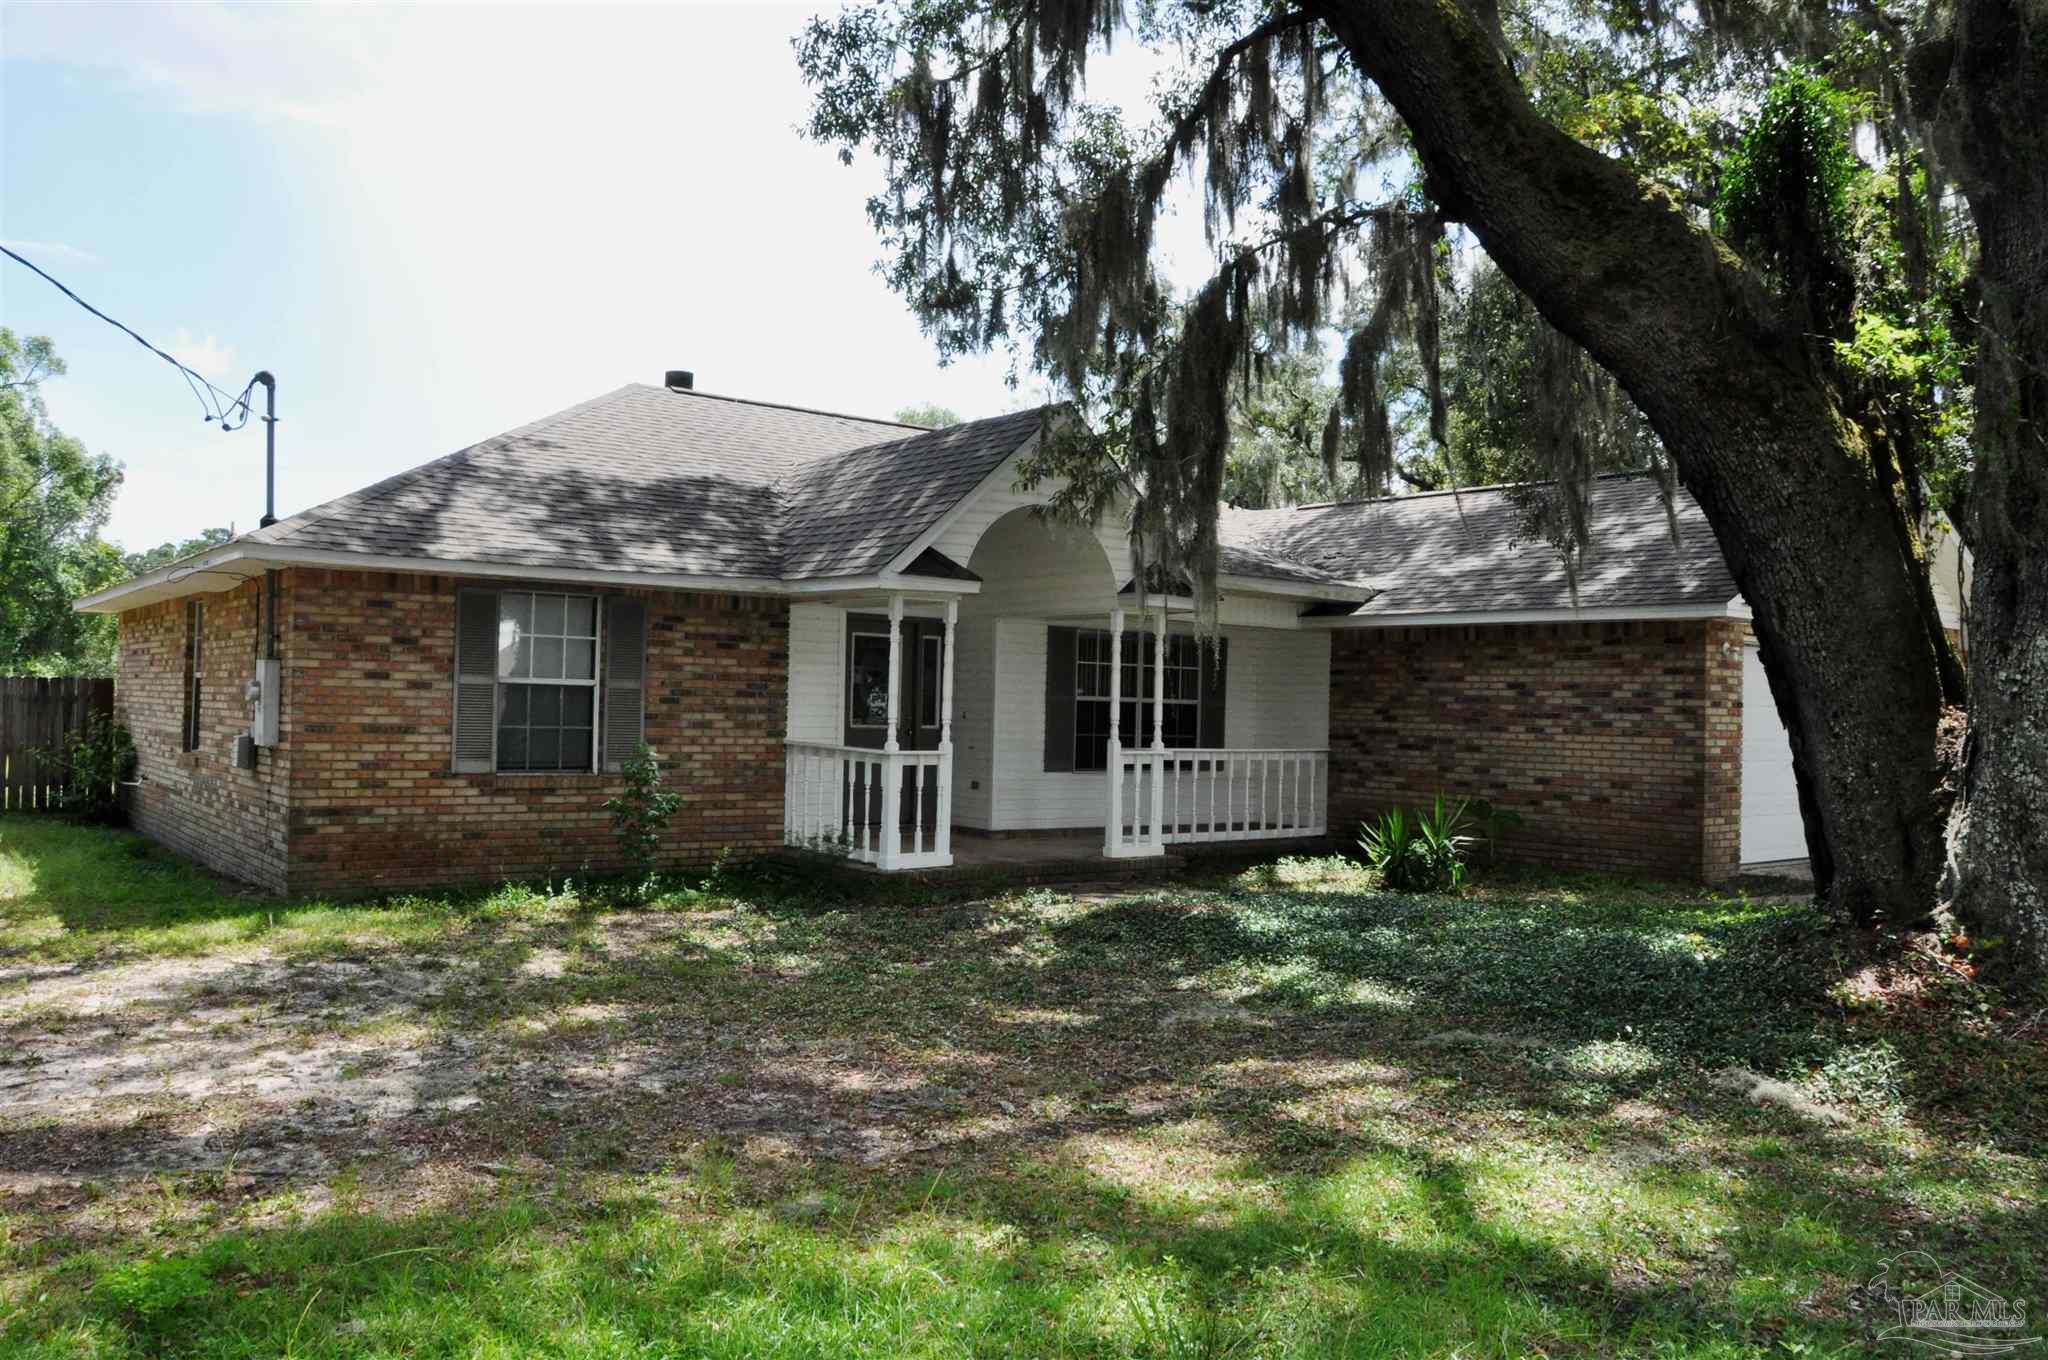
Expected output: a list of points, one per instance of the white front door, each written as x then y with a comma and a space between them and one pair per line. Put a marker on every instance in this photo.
1771, 829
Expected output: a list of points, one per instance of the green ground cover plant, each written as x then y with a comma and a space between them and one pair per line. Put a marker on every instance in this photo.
1278, 1112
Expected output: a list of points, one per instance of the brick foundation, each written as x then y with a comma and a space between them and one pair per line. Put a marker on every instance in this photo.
1619, 744
359, 796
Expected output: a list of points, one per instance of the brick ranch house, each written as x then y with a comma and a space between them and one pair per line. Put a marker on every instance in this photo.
856, 636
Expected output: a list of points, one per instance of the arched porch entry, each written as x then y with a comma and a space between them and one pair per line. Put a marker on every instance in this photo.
1032, 695
1086, 708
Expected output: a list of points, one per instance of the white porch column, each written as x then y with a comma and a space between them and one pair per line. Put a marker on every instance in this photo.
1159, 733
943, 833
891, 812
1112, 827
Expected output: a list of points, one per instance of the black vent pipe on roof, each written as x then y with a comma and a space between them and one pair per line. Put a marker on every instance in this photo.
679, 380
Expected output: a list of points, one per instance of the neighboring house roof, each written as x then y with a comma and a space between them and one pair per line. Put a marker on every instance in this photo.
1468, 553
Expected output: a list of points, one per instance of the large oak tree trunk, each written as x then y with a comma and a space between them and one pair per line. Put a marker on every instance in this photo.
1987, 82
1753, 427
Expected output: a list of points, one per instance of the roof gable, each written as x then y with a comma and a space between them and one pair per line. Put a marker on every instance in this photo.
853, 514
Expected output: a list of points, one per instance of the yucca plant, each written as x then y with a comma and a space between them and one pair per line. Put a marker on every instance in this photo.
1443, 837
1425, 854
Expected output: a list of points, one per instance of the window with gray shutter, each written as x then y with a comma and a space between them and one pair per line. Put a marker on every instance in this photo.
476, 681
625, 678
1215, 670
1059, 698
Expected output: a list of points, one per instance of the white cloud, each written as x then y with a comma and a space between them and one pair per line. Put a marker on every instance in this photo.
208, 357
40, 250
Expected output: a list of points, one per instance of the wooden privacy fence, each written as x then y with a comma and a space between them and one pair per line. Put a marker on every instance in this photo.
40, 714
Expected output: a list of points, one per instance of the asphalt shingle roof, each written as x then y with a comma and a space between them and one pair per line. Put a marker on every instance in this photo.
683, 483
690, 484
1468, 553
851, 514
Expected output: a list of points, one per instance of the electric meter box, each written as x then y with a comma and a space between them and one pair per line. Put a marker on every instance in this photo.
268, 676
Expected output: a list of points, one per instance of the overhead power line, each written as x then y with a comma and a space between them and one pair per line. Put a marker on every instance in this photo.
232, 412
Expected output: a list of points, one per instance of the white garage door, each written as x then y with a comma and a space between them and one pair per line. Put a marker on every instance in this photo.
1770, 800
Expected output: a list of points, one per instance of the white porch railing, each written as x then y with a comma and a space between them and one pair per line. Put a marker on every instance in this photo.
891, 809
1185, 795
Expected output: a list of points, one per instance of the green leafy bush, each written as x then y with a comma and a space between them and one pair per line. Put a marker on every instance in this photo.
1425, 853
1784, 194
93, 761
150, 1293
640, 814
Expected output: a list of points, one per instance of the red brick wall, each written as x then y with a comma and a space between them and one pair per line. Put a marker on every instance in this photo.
1619, 744
375, 805
197, 802
1721, 829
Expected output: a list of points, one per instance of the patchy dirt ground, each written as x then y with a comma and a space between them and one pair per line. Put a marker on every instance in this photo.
605, 1042
413, 1068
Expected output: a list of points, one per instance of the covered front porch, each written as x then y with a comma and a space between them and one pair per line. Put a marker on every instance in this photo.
1044, 780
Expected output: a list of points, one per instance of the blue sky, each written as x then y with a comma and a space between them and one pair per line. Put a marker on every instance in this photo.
433, 224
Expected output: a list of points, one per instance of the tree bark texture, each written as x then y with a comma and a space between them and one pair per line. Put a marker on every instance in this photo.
1987, 84
1756, 433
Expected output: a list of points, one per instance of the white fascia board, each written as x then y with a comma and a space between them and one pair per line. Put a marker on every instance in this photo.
1604, 614
1002, 474
222, 569
235, 563
166, 582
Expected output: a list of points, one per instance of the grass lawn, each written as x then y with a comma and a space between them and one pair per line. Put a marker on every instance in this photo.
1272, 1114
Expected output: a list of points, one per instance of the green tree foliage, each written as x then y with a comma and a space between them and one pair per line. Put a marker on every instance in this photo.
54, 499
163, 554
1276, 448
930, 415
1018, 213
1784, 197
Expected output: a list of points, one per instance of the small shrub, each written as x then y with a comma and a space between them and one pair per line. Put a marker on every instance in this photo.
151, 1293
1425, 853
640, 814
93, 761
1490, 826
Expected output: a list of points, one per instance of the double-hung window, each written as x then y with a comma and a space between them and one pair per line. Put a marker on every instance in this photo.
547, 681
1077, 674
1181, 711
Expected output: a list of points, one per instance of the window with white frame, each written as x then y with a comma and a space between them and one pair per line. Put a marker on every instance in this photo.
547, 681
1181, 711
